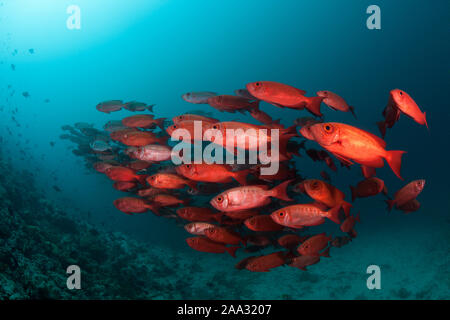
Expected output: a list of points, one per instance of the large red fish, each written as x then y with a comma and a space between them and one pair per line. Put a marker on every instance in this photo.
205, 245
284, 96
304, 261
218, 173
248, 197
198, 228
350, 143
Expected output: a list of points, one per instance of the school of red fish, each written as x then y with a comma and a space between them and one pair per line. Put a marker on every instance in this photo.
240, 206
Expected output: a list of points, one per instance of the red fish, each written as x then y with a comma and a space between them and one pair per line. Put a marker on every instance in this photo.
241, 215
262, 223
349, 223
408, 106
391, 115
406, 194
205, 245
368, 188
192, 117
266, 262
284, 96
169, 181
248, 197
142, 138
139, 165
313, 245
143, 121
123, 174
167, 200
327, 194
351, 143
224, 235
189, 126
302, 215
102, 166
335, 102
124, 185
232, 103
150, 153
219, 173
195, 214
131, 205
290, 241
304, 261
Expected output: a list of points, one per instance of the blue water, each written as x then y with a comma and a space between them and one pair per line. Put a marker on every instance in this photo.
154, 51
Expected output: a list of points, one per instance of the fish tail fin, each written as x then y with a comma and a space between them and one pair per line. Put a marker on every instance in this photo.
394, 159
333, 214
150, 107
382, 127
352, 110
346, 206
314, 105
353, 191
425, 119
232, 250
390, 204
160, 123
280, 191
241, 176
141, 179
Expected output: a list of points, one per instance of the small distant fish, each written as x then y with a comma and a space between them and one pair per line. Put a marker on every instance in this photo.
57, 189
31, 50
335, 102
100, 146
26, 94
110, 106
198, 97
47, 100
52, 143
138, 106
13, 67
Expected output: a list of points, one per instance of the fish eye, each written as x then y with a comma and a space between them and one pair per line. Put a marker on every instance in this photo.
219, 199
257, 84
215, 127
401, 93
174, 126
188, 94
281, 214
188, 166
328, 128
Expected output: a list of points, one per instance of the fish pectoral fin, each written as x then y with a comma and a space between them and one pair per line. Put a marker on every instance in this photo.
343, 159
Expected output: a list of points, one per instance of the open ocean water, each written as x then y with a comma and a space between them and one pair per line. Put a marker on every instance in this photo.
60, 59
